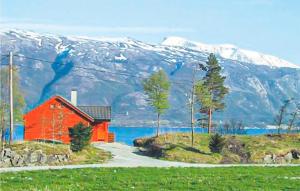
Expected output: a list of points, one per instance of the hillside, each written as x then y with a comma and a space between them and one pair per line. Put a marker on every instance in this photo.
108, 71
238, 149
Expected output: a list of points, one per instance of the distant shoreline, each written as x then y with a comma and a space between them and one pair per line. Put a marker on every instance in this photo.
267, 127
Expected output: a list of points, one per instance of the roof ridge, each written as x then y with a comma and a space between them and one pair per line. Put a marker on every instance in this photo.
77, 107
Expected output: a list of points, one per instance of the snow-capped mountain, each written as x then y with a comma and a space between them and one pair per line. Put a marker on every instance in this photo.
109, 71
230, 52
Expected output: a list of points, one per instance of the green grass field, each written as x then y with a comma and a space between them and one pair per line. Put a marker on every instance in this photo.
231, 178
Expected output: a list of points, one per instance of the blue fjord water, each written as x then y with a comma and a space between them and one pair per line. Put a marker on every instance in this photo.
128, 134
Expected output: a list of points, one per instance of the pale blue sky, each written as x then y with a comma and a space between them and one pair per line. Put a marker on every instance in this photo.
269, 26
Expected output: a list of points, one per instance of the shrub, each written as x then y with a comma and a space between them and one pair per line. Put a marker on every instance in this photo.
216, 143
80, 136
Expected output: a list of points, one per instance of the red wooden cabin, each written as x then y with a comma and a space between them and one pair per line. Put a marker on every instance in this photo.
52, 119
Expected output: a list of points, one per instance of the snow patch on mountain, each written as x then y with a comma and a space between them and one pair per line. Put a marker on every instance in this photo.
120, 58
229, 51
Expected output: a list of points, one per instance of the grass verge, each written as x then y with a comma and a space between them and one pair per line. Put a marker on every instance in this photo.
230, 178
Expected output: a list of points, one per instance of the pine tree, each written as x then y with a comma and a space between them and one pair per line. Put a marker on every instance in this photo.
80, 136
211, 90
216, 143
157, 88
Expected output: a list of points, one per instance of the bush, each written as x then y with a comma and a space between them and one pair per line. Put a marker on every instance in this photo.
216, 143
80, 136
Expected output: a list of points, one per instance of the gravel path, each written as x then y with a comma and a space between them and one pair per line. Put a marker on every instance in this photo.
126, 156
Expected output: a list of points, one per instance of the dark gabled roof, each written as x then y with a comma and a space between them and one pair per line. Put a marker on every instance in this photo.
97, 112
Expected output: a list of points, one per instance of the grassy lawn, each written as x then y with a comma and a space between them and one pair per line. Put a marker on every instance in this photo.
231, 178
88, 155
177, 147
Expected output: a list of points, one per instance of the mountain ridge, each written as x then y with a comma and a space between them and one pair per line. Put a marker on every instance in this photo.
230, 51
96, 69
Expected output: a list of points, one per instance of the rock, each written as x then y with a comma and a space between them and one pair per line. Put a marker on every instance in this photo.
60, 158
138, 142
5, 163
280, 160
66, 157
237, 147
34, 157
51, 159
143, 150
17, 160
8, 153
43, 158
288, 157
295, 154
155, 150
268, 159
14, 160
1, 155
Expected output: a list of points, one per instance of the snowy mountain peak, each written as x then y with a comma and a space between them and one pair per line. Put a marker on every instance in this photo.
229, 51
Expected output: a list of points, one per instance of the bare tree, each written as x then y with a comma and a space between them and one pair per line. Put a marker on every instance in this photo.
279, 119
294, 116
232, 127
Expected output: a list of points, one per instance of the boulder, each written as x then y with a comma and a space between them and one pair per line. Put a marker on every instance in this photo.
60, 158
143, 150
268, 159
8, 153
155, 150
138, 143
51, 159
237, 147
65, 158
17, 160
43, 159
5, 163
295, 154
1, 155
280, 160
288, 157
34, 157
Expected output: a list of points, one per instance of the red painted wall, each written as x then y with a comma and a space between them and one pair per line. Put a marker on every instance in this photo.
51, 120
100, 132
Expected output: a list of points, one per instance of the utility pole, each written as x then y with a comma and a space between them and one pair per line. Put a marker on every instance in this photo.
192, 101
11, 111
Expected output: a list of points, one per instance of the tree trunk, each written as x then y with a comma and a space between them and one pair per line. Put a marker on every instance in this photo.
192, 106
192, 122
192, 135
291, 125
209, 121
158, 123
192, 126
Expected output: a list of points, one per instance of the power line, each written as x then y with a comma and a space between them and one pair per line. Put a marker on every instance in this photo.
36, 59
